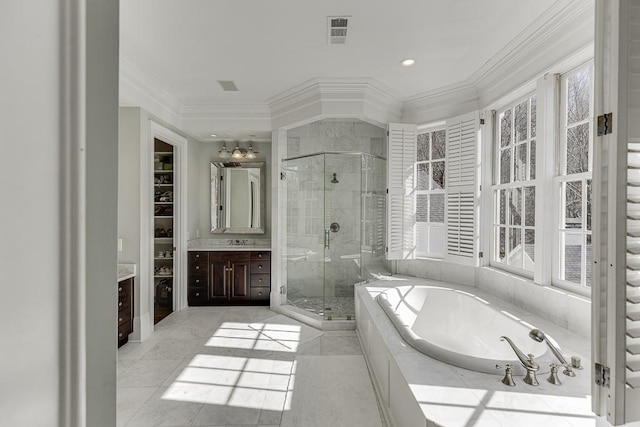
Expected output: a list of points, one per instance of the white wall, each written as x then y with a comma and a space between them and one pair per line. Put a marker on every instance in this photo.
129, 184
30, 215
45, 135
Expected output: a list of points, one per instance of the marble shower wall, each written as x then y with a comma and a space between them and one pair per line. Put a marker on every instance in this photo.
336, 135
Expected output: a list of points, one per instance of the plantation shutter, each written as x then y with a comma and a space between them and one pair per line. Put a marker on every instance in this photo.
401, 189
461, 187
615, 296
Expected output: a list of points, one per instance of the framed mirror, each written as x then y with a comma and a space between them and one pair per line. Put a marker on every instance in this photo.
238, 197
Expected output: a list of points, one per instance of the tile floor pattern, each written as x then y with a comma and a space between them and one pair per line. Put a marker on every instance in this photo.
244, 366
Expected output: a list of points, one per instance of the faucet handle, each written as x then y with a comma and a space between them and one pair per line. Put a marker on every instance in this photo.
553, 376
508, 375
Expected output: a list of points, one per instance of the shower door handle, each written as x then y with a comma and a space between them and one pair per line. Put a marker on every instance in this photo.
326, 238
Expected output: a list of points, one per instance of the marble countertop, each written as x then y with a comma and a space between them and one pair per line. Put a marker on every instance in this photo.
126, 271
229, 245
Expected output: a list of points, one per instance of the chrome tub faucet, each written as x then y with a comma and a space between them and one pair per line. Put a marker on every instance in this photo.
527, 361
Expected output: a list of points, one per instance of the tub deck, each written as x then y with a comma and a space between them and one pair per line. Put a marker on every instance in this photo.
417, 390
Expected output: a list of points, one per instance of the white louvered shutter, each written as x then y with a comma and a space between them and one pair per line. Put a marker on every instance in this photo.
461, 187
401, 189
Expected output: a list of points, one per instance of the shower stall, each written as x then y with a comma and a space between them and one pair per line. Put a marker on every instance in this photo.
335, 229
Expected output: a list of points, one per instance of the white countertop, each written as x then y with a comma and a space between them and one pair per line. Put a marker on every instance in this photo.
229, 245
126, 271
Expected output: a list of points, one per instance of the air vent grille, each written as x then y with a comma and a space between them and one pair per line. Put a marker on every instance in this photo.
337, 29
228, 85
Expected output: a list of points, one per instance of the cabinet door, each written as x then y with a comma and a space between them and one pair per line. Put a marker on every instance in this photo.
240, 281
218, 281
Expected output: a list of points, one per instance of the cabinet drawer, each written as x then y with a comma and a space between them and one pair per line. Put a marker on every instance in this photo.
260, 255
198, 267
197, 296
198, 256
124, 330
124, 289
260, 294
124, 304
124, 316
258, 280
198, 281
261, 266
229, 256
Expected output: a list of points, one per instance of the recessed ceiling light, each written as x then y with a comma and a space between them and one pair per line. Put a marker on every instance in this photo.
214, 135
408, 62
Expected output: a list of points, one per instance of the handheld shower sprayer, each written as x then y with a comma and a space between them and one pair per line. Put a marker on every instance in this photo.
539, 336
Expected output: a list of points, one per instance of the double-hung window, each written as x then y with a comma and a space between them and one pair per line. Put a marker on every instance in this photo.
573, 180
430, 193
514, 189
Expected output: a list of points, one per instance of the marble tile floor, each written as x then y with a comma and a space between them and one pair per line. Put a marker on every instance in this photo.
244, 366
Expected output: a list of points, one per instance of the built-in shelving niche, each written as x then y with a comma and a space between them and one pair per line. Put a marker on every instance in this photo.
164, 224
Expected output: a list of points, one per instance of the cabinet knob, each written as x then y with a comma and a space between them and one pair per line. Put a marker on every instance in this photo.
120, 335
197, 267
260, 280
120, 319
120, 289
197, 280
260, 293
197, 294
197, 255
259, 266
120, 304
259, 255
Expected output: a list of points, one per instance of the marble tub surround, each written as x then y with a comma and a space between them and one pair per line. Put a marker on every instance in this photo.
126, 271
244, 366
229, 245
417, 390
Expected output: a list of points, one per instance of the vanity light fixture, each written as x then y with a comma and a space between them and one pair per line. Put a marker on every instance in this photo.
224, 154
408, 62
238, 152
250, 153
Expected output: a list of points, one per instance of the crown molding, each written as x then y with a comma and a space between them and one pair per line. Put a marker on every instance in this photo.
140, 89
558, 33
440, 104
226, 111
364, 98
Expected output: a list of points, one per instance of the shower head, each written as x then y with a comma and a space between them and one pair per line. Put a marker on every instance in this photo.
335, 179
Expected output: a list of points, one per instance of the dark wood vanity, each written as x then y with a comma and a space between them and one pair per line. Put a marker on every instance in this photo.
125, 310
229, 278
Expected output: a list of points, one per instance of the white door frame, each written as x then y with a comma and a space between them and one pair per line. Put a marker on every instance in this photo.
179, 142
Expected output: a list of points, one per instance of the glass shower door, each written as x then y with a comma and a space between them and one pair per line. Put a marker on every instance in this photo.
342, 206
304, 252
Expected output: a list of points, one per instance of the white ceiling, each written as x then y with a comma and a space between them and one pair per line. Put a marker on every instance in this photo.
269, 46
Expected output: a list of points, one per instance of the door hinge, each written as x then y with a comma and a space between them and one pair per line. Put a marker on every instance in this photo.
386, 248
480, 254
387, 133
221, 178
282, 176
605, 124
602, 375
481, 121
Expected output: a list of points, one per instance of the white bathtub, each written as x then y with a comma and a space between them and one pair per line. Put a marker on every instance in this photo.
460, 329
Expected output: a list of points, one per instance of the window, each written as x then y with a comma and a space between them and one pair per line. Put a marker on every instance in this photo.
430, 172
573, 180
514, 189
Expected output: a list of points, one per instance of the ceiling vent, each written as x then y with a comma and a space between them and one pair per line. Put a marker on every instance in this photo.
337, 29
228, 85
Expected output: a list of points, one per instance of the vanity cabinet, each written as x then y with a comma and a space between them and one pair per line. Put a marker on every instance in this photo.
229, 278
125, 310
